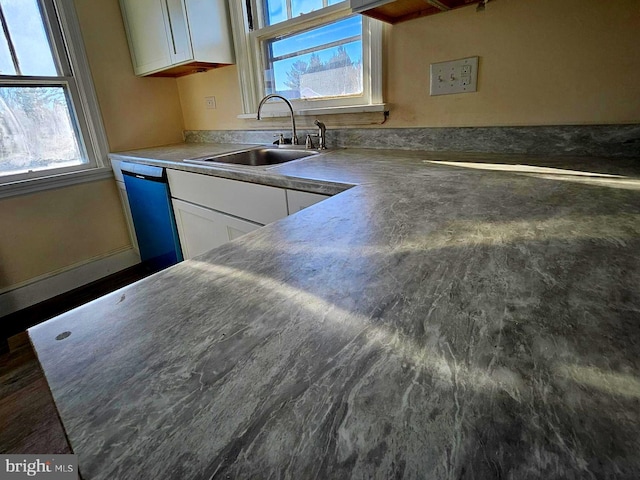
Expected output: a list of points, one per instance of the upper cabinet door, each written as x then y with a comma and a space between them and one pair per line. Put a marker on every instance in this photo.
158, 33
177, 31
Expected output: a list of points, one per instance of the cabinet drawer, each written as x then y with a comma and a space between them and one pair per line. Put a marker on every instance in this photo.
257, 203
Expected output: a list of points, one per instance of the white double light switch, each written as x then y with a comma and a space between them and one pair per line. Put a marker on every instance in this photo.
456, 76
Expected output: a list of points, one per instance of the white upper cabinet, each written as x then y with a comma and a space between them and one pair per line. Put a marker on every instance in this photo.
177, 37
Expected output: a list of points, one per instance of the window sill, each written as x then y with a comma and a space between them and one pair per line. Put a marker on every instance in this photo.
34, 185
379, 107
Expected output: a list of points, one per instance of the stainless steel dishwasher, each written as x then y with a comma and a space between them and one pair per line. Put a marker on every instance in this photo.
152, 213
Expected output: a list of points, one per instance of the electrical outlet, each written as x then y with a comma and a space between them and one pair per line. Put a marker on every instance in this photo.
210, 103
457, 76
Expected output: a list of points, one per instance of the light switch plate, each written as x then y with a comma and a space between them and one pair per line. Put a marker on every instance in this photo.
210, 103
456, 76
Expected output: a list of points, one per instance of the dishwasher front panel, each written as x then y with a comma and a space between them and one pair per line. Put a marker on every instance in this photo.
152, 213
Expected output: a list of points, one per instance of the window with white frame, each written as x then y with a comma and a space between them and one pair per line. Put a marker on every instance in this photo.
49, 124
315, 53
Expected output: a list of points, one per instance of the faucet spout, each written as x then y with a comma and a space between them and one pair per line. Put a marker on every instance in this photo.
294, 136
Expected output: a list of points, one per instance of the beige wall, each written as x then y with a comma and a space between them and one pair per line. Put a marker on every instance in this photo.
53, 229
42, 233
542, 62
221, 83
137, 112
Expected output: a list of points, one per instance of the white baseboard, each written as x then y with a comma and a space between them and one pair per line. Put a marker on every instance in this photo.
35, 290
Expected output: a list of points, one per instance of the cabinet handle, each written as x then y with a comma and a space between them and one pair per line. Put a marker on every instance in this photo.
173, 40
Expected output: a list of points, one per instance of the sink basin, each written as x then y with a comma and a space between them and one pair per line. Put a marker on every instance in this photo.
256, 156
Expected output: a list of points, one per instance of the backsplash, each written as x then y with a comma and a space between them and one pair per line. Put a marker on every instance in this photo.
578, 140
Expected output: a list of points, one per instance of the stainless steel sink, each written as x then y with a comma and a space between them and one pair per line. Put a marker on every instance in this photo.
256, 156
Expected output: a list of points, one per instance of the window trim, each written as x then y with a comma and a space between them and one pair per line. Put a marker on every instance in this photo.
64, 33
249, 61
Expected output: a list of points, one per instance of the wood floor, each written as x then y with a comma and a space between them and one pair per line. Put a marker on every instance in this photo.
28, 418
29, 422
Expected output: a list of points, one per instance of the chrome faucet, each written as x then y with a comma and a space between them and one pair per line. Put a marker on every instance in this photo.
294, 137
322, 134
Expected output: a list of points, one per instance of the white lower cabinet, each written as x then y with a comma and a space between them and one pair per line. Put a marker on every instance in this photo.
211, 210
201, 229
297, 201
257, 203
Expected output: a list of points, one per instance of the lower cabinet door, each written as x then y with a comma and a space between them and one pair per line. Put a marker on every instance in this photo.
297, 201
201, 229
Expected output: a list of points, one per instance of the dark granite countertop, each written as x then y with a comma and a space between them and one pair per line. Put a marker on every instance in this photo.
451, 316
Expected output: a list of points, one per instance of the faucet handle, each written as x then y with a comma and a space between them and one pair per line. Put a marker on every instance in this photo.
308, 144
280, 137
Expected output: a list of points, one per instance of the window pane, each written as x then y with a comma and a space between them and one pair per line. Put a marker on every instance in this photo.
276, 10
36, 130
298, 7
349, 27
29, 38
6, 64
322, 62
